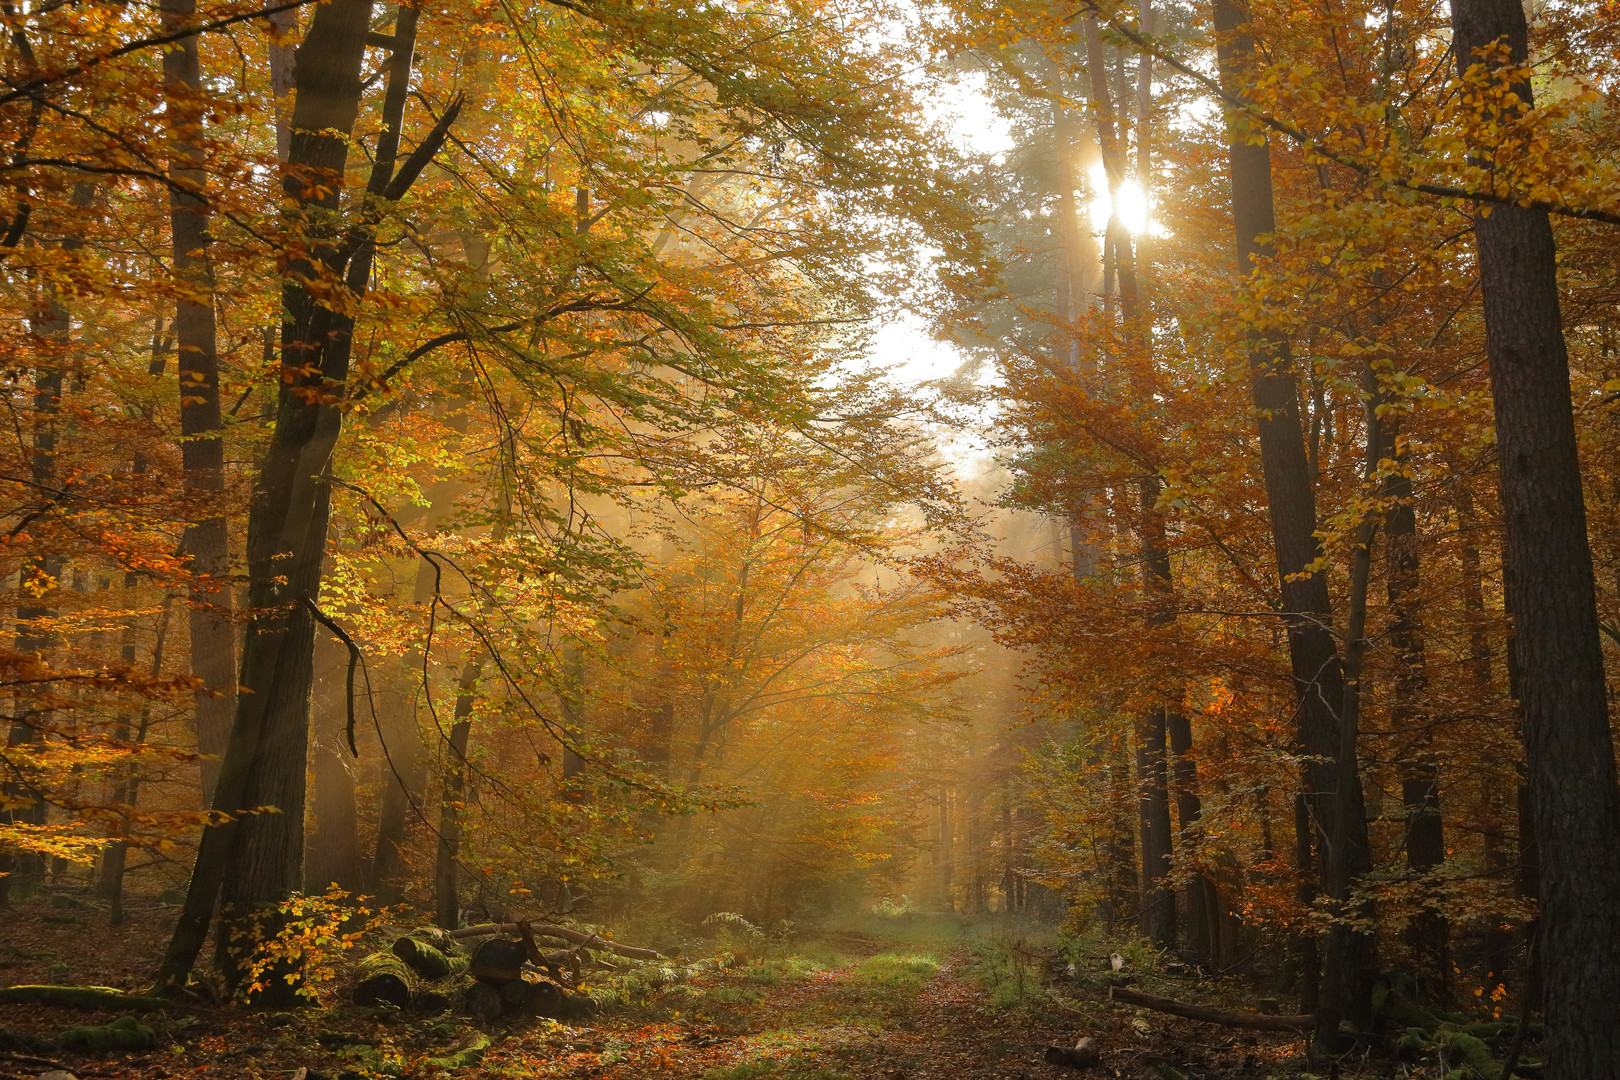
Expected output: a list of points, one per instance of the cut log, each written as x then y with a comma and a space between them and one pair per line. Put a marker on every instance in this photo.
80, 997
384, 989
422, 958
498, 961
1082, 1055
482, 1001
560, 933
514, 997
1210, 1015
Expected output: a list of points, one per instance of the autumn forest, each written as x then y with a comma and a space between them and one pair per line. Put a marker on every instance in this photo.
809, 541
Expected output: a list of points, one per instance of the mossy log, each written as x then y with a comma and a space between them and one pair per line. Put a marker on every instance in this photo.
498, 961
384, 989
81, 997
482, 1002
124, 1033
426, 960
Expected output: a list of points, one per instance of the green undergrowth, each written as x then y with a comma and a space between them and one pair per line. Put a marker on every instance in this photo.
1009, 964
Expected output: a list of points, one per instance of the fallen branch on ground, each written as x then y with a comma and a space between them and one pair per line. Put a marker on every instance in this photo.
1210, 1015
561, 933
80, 997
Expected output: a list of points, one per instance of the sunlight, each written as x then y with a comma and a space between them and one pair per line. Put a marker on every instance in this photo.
1134, 209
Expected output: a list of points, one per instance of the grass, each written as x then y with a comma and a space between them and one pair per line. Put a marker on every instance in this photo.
1007, 963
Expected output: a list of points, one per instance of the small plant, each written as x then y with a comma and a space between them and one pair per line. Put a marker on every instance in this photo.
891, 907
310, 933
1005, 965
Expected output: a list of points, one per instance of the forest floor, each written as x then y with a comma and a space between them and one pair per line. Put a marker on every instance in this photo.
893, 999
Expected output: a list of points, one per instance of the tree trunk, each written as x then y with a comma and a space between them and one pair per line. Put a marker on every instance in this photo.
258, 859
1420, 775
202, 449
334, 840
50, 324
1291, 500
1200, 900
1152, 729
1568, 746
446, 878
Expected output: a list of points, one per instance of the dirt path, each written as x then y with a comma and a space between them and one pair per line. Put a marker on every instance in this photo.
892, 1013
919, 1003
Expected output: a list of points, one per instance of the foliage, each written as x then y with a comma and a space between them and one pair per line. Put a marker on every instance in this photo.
302, 940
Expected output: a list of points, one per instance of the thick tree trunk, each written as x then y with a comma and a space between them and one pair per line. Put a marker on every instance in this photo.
1568, 746
1313, 654
286, 544
258, 859
202, 449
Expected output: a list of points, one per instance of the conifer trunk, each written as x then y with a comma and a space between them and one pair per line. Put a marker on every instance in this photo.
1568, 746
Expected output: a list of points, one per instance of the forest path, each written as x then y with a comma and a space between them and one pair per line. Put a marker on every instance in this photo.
855, 1008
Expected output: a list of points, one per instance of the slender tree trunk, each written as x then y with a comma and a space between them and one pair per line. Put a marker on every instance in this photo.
404, 768
202, 448
1318, 674
446, 877
1200, 899
1344, 854
50, 324
334, 840
1420, 771
1152, 769
1568, 745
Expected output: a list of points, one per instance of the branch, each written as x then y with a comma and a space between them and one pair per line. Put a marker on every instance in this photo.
1210, 1015
1243, 105
31, 86
354, 657
561, 933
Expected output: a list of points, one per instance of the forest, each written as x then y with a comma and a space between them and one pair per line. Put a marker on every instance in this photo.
786, 540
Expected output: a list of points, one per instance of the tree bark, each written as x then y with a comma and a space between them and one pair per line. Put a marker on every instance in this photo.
1152, 729
1291, 500
1568, 746
1420, 771
446, 877
202, 447
258, 859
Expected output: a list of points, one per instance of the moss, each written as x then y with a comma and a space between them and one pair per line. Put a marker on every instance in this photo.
1470, 1053
467, 1056
79, 997
124, 1033
422, 958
